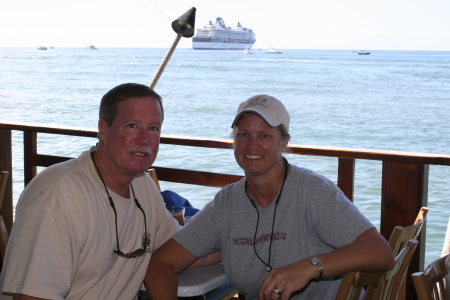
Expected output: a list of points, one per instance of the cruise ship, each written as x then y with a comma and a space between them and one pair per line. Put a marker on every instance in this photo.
219, 37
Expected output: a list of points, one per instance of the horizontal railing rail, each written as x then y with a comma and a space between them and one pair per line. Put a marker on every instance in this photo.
404, 185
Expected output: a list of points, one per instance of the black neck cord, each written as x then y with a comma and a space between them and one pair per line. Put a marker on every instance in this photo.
111, 202
268, 266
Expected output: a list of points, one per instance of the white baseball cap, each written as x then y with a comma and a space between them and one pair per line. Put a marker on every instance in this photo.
269, 108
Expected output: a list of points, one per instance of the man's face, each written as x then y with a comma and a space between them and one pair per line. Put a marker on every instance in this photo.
132, 142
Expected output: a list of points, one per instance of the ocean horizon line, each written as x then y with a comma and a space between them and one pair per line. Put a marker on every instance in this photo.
189, 48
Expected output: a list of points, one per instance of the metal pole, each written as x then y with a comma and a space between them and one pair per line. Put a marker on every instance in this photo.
164, 62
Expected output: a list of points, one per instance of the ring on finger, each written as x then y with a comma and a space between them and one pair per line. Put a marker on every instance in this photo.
276, 291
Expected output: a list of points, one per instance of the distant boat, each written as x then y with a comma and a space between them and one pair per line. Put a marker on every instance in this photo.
90, 47
220, 37
363, 52
247, 51
274, 51
42, 48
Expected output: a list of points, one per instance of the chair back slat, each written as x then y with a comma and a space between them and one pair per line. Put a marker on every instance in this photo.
152, 173
400, 235
396, 283
378, 285
422, 215
3, 180
4, 237
430, 284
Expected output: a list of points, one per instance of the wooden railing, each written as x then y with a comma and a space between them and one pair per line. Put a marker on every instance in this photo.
404, 175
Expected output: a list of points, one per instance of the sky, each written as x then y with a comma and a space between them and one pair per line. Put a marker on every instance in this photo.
283, 24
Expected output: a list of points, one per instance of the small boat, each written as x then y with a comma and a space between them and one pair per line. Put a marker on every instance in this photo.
247, 51
274, 51
90, 47
363, 53
42, 48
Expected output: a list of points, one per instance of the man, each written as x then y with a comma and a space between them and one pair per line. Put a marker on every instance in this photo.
86, 228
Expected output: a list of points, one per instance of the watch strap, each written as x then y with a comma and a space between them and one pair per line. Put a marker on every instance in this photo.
317, 263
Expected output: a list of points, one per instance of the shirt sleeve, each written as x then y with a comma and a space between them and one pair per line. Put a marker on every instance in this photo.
337, 221
201, 235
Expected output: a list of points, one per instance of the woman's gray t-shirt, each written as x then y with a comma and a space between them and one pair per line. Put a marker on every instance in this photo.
312, 217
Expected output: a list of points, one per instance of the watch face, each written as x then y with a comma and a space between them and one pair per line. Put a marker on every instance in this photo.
314, 260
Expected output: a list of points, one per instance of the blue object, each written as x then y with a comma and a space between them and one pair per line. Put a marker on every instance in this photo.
172, 198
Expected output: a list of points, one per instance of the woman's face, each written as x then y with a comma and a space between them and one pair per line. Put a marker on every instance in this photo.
257, 146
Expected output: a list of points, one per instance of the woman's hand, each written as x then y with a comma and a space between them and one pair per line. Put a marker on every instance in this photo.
368, 252
287, 280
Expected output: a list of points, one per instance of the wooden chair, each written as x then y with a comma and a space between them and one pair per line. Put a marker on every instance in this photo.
430, 284
3, 232
4, 237
398, 282
401, 235
377, 285
3, 178
152, 173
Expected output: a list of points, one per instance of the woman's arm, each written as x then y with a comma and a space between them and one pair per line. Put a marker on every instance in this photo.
368, 252
25, 297
165, 264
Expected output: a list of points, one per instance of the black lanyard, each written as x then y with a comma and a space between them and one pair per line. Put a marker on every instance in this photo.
268, 266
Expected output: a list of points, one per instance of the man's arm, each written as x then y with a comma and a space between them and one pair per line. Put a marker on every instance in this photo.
165, 264
211, 259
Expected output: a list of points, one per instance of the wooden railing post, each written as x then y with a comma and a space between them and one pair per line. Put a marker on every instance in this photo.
346, 176
404, 192
29, 154
6, 165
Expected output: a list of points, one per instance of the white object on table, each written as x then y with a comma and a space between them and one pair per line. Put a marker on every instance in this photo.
199, 281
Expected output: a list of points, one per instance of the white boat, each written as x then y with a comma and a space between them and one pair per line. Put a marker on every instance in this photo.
247, 51
219, 37
42, 48
274, 51
90, 47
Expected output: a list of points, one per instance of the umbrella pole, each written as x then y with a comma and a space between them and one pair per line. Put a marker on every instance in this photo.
183, 27
164, 62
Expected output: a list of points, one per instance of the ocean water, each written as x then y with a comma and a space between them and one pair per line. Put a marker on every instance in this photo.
389, 100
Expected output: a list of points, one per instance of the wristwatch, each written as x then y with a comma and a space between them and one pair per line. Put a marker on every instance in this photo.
316, 262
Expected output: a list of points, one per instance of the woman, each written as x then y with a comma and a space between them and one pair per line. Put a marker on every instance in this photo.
284, 231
